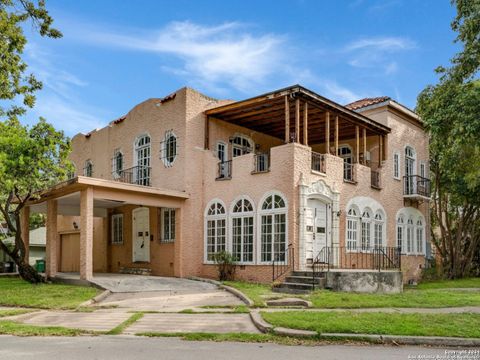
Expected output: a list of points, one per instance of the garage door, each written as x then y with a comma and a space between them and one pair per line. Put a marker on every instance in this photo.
70, 256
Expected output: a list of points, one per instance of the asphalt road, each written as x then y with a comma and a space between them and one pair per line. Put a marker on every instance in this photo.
138, 348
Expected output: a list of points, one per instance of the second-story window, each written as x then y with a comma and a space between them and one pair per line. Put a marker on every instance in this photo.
169, 148
241, 145
117, 163
221, 151
88, 168
396, 166
142, 155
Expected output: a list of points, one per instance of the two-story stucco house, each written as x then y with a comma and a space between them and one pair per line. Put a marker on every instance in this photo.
288, 177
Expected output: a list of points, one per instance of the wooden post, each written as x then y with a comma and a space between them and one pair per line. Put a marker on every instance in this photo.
327, 133
364, 146
336, 135
357, 144
305, 124
380, 150
25, 230
297, 120
207, 133
287, 120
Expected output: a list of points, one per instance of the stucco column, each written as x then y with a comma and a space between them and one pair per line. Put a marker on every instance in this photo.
25, 229
86, 234
178, 248
52, 239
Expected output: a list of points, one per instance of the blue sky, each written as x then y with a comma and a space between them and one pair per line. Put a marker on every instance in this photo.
115, 54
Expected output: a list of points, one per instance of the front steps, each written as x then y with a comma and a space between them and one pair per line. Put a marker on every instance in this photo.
301, 282
135, 271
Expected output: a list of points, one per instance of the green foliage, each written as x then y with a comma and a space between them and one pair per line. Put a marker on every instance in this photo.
225, 265
13, 328
15, 85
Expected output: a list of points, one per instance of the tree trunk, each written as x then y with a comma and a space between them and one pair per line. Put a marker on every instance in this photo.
28, 273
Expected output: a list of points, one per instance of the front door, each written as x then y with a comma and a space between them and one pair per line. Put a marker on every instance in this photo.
141, 235
317, 227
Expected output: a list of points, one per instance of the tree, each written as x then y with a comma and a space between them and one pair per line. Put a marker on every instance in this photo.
450, 111
31, 160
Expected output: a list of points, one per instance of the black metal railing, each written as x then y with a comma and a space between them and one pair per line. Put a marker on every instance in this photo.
348, 172
416, 185
139, 175
364, 258
375, 182
261, 163
283, 262
224, 170
318, 162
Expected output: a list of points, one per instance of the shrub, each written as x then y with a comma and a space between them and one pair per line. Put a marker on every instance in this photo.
225, 265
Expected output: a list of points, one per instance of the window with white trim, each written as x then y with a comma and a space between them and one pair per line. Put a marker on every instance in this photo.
423, 169
410, 235
378, 230
142, 156
117, 229
273, 229
419, 239
88, 168
241, 145
117, 163
352, 223
242, 231
216, 229
167, 225
400, 233
169, 148
396, 166
366, 229
221, 150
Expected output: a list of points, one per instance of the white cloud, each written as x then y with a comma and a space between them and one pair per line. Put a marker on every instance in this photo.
381, 44
209, 55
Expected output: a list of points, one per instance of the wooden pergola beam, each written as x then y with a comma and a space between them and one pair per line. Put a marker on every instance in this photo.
305, 123
297, 120
287, 120
327, 132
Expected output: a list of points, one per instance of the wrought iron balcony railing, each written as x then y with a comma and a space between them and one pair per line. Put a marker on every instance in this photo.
139, 175
415, 185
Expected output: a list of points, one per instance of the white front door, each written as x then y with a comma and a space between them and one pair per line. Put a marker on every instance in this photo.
317, 227
141, 235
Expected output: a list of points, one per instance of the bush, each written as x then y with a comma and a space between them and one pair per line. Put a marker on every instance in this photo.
225, 265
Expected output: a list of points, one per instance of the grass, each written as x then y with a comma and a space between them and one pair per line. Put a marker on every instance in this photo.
429, 297
13, 328
13, 312
17, 292
457, 283
120, 328
454, 325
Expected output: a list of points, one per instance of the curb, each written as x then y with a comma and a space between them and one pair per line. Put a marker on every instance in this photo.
96, 299
231, 290
259, 323
407, 340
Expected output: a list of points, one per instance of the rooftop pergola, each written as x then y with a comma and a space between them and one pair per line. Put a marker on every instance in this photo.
296, 114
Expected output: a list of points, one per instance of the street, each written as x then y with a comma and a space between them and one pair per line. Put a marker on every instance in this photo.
131, 347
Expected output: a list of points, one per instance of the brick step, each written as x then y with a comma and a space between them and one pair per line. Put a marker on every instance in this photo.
135, 271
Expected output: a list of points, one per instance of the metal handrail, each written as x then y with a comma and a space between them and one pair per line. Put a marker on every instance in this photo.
224, 170
416, 185
283, 262
138, 175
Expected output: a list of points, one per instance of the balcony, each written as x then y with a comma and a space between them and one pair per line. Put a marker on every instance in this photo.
138, 175
375, 180
416, 187
224, 170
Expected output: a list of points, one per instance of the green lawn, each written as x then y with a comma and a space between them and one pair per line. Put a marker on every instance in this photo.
458, 283
423, 297
17, 292
13, 328
455, 325
5, 313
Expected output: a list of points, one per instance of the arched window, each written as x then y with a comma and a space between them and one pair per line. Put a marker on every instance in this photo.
215, 229
242, 231
352, 228
117, 163
241, 145
273, 229
169, 148
400, 233
366, 229
88, 168
378, 230
419, 231
142, 157
410, 235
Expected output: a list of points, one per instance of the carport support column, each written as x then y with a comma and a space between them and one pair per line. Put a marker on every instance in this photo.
86, 234
52, 239
25, 225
